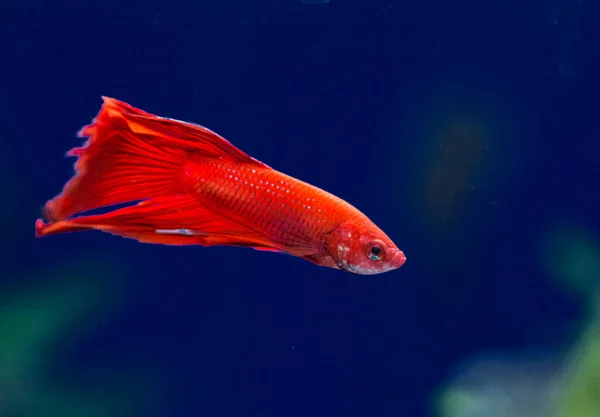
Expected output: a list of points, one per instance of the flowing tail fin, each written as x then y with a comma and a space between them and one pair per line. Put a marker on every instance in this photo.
116, 166
132, 155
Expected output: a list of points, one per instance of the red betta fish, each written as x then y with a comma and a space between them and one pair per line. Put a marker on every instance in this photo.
186, 185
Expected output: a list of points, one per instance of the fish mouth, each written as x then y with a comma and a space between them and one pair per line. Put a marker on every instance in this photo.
398, 259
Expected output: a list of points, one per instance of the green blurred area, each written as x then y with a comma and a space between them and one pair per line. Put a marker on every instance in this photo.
557, 381
46, 310
571, 257
42, 317
579, 389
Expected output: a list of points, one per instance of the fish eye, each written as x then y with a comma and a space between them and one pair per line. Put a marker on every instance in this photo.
375, 251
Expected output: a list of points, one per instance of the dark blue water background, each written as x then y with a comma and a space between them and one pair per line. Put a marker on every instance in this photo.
465, 129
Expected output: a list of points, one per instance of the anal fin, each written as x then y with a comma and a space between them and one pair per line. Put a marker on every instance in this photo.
170, 220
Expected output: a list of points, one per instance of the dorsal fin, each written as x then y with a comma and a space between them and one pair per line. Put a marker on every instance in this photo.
162, 131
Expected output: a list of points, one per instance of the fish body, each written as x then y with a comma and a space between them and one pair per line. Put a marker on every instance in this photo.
187, 185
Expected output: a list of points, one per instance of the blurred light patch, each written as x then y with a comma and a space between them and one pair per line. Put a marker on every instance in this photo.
464, 138
462, 149
571, 256
502, 385
536, 384
452, 170
579, 394
39, 318
540, 383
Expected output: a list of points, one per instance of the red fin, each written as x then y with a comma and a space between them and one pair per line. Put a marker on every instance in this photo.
132, 155
174, 220
163, 131
115, 167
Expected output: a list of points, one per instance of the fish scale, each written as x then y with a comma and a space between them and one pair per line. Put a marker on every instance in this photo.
279, 205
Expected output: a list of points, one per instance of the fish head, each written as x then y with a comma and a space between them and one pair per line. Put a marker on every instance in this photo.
362, 248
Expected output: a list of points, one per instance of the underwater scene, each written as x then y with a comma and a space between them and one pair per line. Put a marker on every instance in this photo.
300, 208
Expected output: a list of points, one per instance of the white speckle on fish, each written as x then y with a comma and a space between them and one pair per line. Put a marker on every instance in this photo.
186, 232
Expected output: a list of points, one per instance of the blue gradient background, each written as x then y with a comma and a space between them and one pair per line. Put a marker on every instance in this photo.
467, 130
